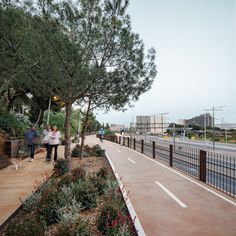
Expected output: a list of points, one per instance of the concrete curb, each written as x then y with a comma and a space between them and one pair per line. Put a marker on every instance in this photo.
137, 224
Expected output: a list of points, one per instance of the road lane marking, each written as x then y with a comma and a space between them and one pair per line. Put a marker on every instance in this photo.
171, 195
118, 150
129, 205
192, 181
131, 161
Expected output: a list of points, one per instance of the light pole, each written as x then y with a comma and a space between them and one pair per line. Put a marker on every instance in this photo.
213, 123
49, 109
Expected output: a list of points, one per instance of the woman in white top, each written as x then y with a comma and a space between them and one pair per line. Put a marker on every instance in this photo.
54, 140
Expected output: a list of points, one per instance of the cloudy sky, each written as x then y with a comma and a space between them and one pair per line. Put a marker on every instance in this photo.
196, 58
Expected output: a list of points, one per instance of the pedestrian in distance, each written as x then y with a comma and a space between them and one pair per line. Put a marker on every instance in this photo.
122, 137
45, 141
31, 139
54, 141
101, 133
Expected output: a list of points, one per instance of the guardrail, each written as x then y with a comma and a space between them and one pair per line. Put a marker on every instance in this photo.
214, 169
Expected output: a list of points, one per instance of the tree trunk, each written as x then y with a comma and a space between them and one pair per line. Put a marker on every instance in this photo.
67, 153
85, 128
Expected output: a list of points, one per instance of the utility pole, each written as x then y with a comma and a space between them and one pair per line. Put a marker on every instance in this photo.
213, 123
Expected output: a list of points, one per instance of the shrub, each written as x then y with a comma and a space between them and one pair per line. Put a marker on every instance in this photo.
70, 212
112, 221
28, 227
31, 202
49, 205
66, 180
86, 193
98, 151
100, 184
78, 174
102, 173
61, 167
81, 227
76, 151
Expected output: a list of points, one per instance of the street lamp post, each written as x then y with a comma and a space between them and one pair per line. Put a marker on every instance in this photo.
49, 109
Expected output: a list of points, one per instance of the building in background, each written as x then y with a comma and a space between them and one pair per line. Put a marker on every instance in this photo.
181, 122
143, 124
154, 124
200, 120
116, 127
158, 124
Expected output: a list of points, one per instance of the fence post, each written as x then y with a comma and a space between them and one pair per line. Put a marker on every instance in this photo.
153, 150
128, 141
171, 155
142, 146
202, 166
134, 143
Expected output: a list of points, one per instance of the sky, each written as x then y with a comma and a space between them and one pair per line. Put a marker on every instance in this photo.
195, 41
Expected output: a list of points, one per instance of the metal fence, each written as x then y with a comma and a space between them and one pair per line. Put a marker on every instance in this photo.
217, 170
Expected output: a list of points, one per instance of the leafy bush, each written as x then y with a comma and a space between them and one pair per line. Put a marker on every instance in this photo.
76, 151
31, 202
70, 212
66, 180
81, 227
28, 227
100, 184
102, 173
49, 205
61, 167
78, 174
98, 151
14, 125
86, 193
112, 221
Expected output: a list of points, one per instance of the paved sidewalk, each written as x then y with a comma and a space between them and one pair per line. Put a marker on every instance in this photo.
166, 201
18, 184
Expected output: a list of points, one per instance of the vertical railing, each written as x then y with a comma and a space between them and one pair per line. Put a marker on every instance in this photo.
153, 150
202, 166
171, 155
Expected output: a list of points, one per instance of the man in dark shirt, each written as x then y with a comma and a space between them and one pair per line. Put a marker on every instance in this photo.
30, 137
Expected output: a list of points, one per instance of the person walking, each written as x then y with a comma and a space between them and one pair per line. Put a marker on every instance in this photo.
31, 136
101, 134
45, 141
54, 140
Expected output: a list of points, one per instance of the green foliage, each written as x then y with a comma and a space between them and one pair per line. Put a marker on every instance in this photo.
51, 202
78, 174
86, 193
61, 167
102, 173
98, 151
32, 201
100, 184
28, 227
81, 227
12, 124
112, 221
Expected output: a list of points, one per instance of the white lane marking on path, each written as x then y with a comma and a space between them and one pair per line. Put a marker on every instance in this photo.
190, 180
171, 194
131, 160
129, 205
118, 150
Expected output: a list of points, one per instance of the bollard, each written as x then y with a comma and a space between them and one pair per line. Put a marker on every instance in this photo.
134, 143
142, 146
